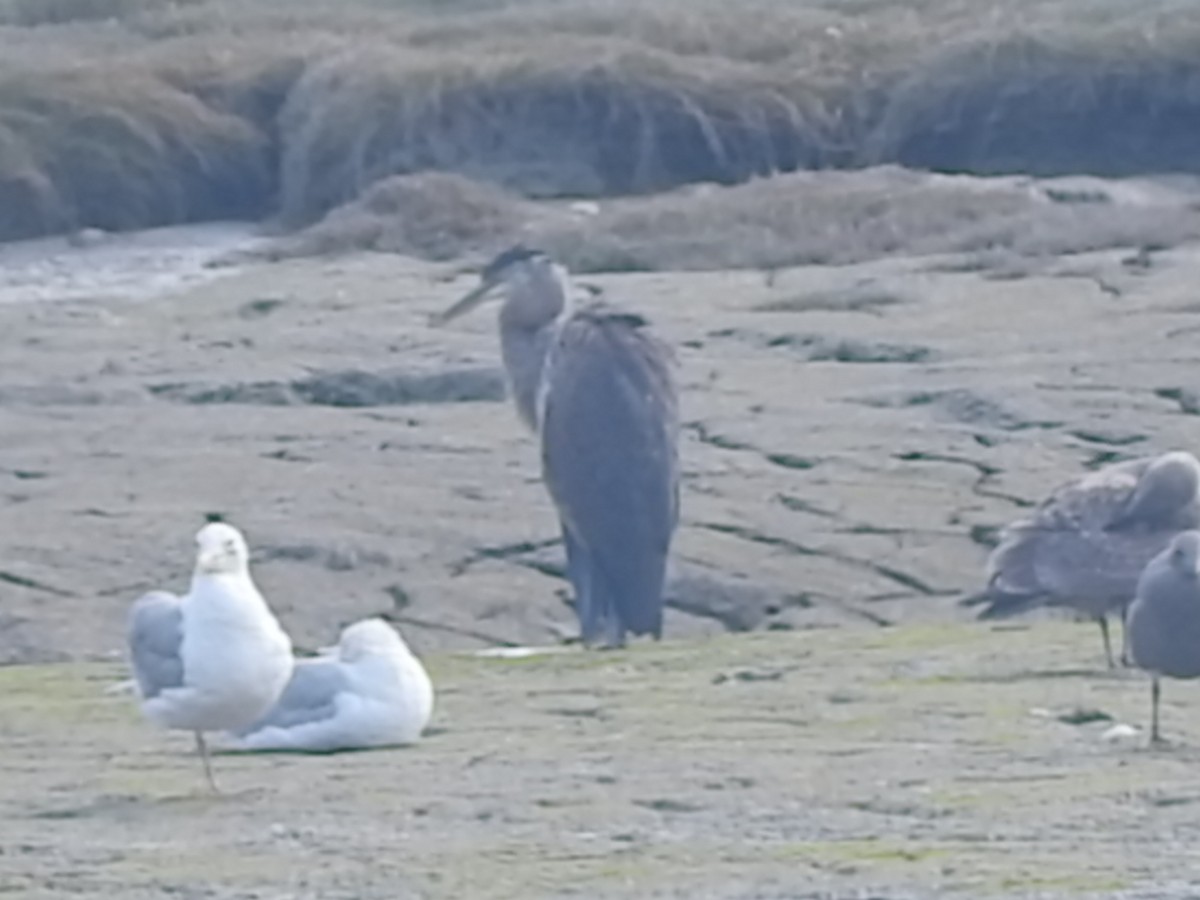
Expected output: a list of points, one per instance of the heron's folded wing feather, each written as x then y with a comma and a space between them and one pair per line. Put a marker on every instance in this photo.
609, 431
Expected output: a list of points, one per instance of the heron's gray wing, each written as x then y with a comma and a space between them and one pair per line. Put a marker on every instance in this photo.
310, 696
155, 636
609, 456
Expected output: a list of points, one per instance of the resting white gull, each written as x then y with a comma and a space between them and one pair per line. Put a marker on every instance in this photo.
216, 658
1086, 545
372, 693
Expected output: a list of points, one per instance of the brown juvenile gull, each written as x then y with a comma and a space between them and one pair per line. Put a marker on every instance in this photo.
1164, 620
215, 659
1085, 546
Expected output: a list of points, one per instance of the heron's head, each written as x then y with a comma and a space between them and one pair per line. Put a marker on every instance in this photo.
221, 550
535, 288
370, 637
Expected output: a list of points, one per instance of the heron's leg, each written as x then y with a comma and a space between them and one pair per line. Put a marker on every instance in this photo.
1126, 653
579, 574
1155, 736
202, 749
614, 628
1102, 620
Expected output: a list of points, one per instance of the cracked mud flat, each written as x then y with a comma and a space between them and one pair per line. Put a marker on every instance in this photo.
854, 437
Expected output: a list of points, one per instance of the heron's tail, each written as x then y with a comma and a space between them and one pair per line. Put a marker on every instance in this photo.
611, 604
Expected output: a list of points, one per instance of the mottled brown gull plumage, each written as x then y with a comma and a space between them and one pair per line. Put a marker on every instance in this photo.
1086, 545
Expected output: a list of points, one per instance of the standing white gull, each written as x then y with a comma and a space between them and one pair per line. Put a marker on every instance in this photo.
216, 658
373, 693
1086, 545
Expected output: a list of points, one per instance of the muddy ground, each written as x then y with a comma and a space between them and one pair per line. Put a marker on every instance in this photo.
854, 437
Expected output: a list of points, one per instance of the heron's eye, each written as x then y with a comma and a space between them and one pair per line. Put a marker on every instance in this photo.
230, 546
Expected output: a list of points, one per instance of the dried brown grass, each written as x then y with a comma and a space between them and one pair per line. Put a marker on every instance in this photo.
834, 218
125, 113
825, 218
433, 215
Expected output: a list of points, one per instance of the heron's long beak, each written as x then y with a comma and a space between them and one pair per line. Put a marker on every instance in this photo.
465, 305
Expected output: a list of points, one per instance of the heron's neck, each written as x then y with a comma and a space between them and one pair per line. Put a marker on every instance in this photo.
524, 351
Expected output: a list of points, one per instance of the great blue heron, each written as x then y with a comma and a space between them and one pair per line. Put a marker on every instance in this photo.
598, 390
1086, 545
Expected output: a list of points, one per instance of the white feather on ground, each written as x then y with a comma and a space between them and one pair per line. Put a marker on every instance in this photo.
216, 658
372, 693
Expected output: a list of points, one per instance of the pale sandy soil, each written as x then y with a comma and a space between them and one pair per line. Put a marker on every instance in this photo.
820, 489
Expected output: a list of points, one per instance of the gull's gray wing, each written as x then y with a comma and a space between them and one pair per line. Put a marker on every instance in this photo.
1164, 620
310, 696
155, 636
609, 431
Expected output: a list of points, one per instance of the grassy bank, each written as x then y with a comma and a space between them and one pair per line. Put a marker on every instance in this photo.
948, 761
127, 113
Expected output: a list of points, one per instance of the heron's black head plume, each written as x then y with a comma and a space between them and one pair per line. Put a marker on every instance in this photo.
510, 257
211, 517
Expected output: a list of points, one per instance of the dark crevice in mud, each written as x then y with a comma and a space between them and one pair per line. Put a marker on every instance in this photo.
351, 388
789, 461
985, 470
826, 348
724, 442
961, 405
697, 590
1102, 458
1188, 400
885, 571
32, 584
1109, 438
822, 348
430, 625
796, 504
869, 299
503, 552
26, 474
335, 559
986, 536
705, 436
980, 487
